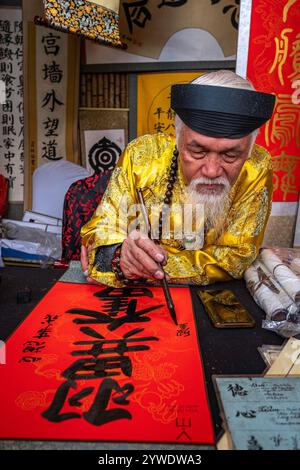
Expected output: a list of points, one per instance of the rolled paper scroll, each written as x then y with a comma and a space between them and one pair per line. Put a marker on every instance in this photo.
289, 281
268, 293
295, 266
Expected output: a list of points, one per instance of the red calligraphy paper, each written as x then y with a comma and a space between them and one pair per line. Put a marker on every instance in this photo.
96, 363
274, 67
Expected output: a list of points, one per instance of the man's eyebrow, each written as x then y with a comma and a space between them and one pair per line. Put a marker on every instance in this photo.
235, 148
194, 143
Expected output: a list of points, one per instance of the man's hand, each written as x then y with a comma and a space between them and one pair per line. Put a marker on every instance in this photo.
139, 257
84, 259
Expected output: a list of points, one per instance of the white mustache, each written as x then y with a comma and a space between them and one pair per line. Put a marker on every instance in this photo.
221, 180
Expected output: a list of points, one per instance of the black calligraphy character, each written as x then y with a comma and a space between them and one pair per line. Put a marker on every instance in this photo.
170, 126
97, 414
172, 3
8, 130
30, 359
112, 292
50, 150
9, 91
136, 13
49, 318
86, 369
18, 53
52, 413
50, 44
5, 26
6, 67
51, 125
33, 346
246, 414
183, 425
184, 330
8, 119
18, 39
20, 107
121, 344
53, 72
170, 114
116, 302
253, 444
235, 11
159, 127
7, 39
51, 98
9, 168
8, 143
7, 107
131, 316
18, 26
8, 79
277, 440
6, 54
117, 299
21, 144
237, 390
43, 333
11, 180
159, 111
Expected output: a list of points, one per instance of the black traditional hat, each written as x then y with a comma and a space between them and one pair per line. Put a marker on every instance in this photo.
219, 111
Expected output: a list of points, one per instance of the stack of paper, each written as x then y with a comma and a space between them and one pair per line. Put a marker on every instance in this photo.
32, 241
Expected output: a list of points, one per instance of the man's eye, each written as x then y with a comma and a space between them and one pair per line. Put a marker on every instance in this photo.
198, 153
229, 158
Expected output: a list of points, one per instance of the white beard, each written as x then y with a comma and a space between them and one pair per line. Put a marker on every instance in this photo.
215, 203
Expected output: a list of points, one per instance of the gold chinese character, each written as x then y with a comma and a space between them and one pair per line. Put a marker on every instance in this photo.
285, 123
286, 8
295, 55
286, 164
281, 53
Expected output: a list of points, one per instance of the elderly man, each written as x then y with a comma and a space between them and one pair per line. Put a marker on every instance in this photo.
212, 162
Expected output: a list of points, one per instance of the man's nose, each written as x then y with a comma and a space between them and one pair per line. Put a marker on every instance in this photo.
211, 167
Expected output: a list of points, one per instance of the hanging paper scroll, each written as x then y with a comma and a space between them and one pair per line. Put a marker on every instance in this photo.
52, 77
11, 103
176, 30
97, 363
274, 67
147, 25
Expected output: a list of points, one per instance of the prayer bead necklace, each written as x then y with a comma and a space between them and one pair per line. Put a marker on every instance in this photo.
169, 192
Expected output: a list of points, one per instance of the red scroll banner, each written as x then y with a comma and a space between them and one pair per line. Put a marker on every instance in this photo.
96, 363
274, 67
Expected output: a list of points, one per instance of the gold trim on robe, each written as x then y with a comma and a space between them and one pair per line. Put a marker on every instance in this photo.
145, 163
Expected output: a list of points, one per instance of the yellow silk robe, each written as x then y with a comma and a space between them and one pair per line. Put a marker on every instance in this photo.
145, 163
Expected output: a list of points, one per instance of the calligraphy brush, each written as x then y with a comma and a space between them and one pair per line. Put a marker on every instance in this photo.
165, 286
